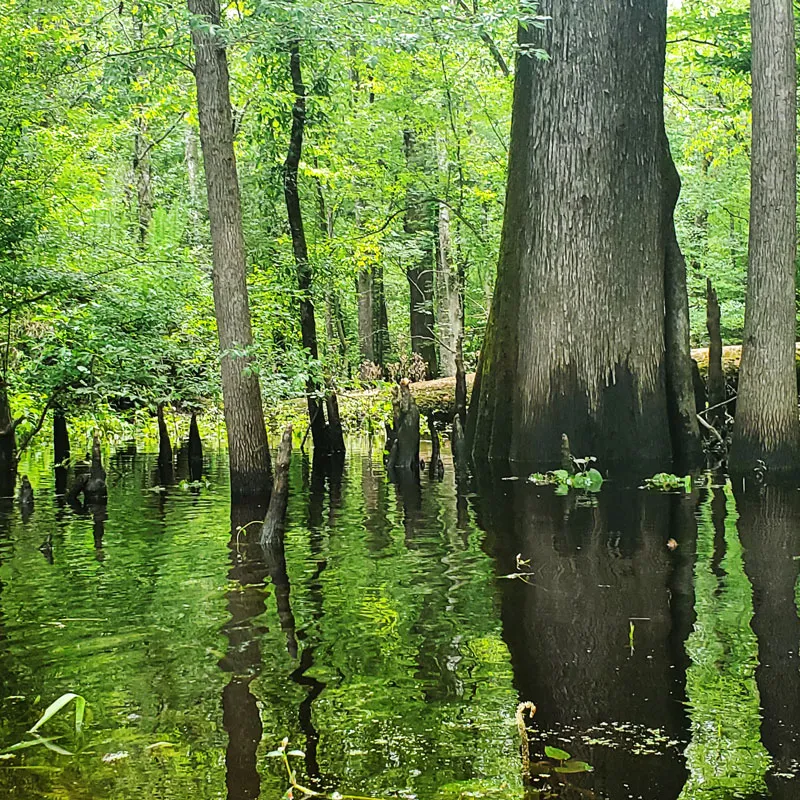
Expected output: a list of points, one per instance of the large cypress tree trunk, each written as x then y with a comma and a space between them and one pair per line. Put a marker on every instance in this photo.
576, 336
766, 425
250, 468
418, 225
308, 325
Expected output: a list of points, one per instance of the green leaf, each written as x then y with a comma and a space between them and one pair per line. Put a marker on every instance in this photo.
57, 705
556, 753
27, 743
55, 748
595, 480
80, 711
572, 767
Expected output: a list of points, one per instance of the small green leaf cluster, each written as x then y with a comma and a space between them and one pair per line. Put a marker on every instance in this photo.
589, 480
567, 765
667, 482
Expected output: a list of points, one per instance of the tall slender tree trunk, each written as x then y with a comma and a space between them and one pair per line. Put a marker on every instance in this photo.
142, 170
715, 376
308, 325
418, 226
8, 444
447, 295
381, 340
366, 306
681, 406
577, 335
766, 426
334, 319
142, 163
248, 451
366, 315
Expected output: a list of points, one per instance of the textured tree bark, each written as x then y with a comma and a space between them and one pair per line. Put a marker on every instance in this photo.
366, 314
142, 170
684, 431
716, 377
418, 225
381, 341
766, 426
248, 451
447, 296
334, 318
308, 325
576, 336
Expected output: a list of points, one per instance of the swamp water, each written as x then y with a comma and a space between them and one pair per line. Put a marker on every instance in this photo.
389, 644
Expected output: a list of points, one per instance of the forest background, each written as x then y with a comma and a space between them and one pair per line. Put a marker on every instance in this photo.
106, 307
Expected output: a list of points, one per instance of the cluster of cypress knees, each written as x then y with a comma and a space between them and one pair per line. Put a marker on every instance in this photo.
402, 437
90, 481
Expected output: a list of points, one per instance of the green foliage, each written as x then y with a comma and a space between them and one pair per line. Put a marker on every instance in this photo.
667, 482
725, 755
51, 711
588, 479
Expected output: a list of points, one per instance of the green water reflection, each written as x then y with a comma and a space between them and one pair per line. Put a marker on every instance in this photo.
725, 757
372, 641
386, 641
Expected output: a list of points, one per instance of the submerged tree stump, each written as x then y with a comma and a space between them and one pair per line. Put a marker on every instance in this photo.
405, 449
335, 434
25, 494
436, 467
195, 450
61, 451
164, 444
458, 443
91, 484
272, 529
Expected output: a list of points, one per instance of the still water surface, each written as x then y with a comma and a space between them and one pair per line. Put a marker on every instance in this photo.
388, 644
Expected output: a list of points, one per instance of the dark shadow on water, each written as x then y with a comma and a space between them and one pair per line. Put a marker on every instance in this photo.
246, 602
769, 526
595, 632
